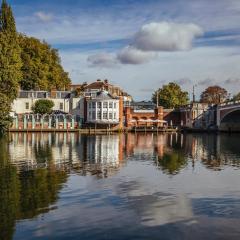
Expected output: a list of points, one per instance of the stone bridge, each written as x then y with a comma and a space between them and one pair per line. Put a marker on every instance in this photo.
228, 116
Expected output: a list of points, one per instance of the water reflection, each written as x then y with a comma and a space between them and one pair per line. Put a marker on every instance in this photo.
28, 193
131, 174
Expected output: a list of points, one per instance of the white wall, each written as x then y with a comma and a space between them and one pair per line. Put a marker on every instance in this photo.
19, 105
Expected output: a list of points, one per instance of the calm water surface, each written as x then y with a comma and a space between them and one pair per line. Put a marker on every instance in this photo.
135, 186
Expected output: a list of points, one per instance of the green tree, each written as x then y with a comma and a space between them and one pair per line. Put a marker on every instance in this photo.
236, 97
170, 96
7, 21
214, 95
10, 62
5, 108
41, 68
43, 106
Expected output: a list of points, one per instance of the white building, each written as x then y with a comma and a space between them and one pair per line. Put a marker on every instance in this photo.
97, 107
64, 101
102, 108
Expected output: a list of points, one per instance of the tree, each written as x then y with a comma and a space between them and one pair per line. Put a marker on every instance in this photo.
236, 97
5, 108
43, 106
7, 21
214, 95
41, 68
170, 96
10, 62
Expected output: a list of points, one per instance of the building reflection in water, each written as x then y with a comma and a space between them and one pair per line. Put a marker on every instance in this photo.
35, 167
103, 155
100, 155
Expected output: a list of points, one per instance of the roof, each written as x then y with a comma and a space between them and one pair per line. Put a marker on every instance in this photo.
103, 95
97, 85
143, 105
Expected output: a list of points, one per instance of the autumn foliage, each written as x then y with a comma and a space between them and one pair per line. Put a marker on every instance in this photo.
214, 95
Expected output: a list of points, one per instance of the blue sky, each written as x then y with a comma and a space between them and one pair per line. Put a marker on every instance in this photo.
125, 41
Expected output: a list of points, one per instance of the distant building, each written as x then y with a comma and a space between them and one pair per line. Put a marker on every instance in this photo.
198, 116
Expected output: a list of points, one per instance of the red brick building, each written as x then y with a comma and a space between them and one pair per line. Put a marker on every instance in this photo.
144, 117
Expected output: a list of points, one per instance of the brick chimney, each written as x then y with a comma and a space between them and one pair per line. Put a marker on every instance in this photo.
53, 93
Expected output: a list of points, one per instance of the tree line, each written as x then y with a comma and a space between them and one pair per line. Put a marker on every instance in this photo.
26, 63
172, 96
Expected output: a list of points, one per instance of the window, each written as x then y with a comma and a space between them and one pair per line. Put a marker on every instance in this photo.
89, 115
105, 105
99, 115
110, 115
114, 116
89, 105
99, 104
115, 105
27, 105
110, 105
105, 115
93, 105
94, 115
61, 106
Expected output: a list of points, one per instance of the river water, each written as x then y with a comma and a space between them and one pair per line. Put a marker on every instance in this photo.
134, 186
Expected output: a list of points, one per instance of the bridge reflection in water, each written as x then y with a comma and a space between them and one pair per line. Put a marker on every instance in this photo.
35, 168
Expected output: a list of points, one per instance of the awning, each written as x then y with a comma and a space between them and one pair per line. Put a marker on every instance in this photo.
151, 120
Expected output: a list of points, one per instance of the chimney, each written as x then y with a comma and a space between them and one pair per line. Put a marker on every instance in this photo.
53, 93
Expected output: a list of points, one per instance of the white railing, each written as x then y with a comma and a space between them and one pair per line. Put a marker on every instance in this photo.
143, 111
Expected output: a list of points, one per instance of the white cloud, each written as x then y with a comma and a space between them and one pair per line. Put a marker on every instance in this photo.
166, 36
130, 55
44, 17
102, 60
216, 64
152, 38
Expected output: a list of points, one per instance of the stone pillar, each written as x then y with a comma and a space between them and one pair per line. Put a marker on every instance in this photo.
56, 123
24, 122
73, 122
65, 123
33, 122
101, 111
50, 122
42, 122
16, 122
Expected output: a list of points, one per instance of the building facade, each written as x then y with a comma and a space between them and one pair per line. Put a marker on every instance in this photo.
143, 114
198, 116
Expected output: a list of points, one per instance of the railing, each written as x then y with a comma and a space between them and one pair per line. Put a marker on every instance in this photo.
143, 111
229, 103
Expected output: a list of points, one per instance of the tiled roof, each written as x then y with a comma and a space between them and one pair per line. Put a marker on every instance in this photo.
96, 85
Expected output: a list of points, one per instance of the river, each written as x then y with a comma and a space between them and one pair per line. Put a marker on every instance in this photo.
116, 187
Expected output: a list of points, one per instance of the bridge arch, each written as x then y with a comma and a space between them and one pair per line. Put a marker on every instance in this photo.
231, 121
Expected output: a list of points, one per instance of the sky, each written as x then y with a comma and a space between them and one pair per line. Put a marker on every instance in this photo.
140, 45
